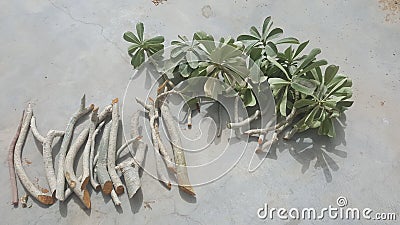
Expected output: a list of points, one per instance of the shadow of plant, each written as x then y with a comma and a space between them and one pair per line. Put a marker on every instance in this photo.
308, 146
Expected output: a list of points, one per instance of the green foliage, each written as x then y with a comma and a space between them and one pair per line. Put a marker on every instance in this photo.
141, 47
296, 79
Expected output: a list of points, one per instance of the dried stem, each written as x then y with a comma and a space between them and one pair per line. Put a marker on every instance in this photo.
189, 118
94, 119
172, 129
96, 186
11, 169
64, 147
29, 186
124, 146
280, 126
115, 199
48, 158
112, 148
153, 116
101, 165
74, 183
35, 131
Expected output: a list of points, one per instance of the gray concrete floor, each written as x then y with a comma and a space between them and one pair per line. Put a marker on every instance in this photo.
53, 51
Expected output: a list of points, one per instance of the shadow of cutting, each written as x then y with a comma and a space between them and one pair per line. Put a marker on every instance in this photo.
308, 146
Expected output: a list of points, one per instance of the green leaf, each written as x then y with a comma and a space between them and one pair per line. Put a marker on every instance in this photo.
266, 26
132, 49
140, 30
212, 88
271, 49
309, 58
138, 59
314, 65
273, 61
184, 69
288, 40
327, 128
303, 85
304, 102
192, 59
246, 37
275, 33
254, 32
300, 48
248, 98
330, 72
282, 106
130, 37
156, 40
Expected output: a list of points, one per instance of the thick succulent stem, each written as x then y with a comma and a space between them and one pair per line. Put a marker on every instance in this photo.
35, 131
65, 144
48, 159
11, 169
153, 116
74, 183
101, 165
96, 186
94, 119
29, 186
173, 132
112, 149
114, 197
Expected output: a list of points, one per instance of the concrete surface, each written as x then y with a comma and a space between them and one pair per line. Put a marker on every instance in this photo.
51, 52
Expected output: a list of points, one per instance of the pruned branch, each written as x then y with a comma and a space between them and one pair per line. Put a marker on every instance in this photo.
35, 131
48, 158
11, 169
29, 186
245, 122
101, 165
112, 149
65, 144
172, 130
96, 186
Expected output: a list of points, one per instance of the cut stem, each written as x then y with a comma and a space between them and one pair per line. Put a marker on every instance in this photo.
64, 146
48, 158
101, 166
29, 186
172, 129
112, 149
11, 169
35, 131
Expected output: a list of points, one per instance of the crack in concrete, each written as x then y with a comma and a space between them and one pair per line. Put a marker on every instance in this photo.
67, 12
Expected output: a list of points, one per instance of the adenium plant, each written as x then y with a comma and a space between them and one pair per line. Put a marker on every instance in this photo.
309, 93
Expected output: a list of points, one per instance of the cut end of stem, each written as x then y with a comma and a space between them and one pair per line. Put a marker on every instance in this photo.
86, 198
45, 199
85, 183
119, 190
114, 101
188, 190
107, 187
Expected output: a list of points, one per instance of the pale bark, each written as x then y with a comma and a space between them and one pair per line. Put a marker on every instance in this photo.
11, 169
35, 131
172, 129
48, 159
25, 181
65, 144
101, 165
112, 149
245, 122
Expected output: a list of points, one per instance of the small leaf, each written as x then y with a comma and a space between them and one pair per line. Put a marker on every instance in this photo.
138, 59
271, 49
140, 30
275, 33
156, 40
266, 25
282, 106
288, 40
184, 70
254, 32
309, 58
303, 85
248, 98
330, 72
130, 37
192, 59
132, 49
314, 65
300, 48
273, 61
246, 37
304, 102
